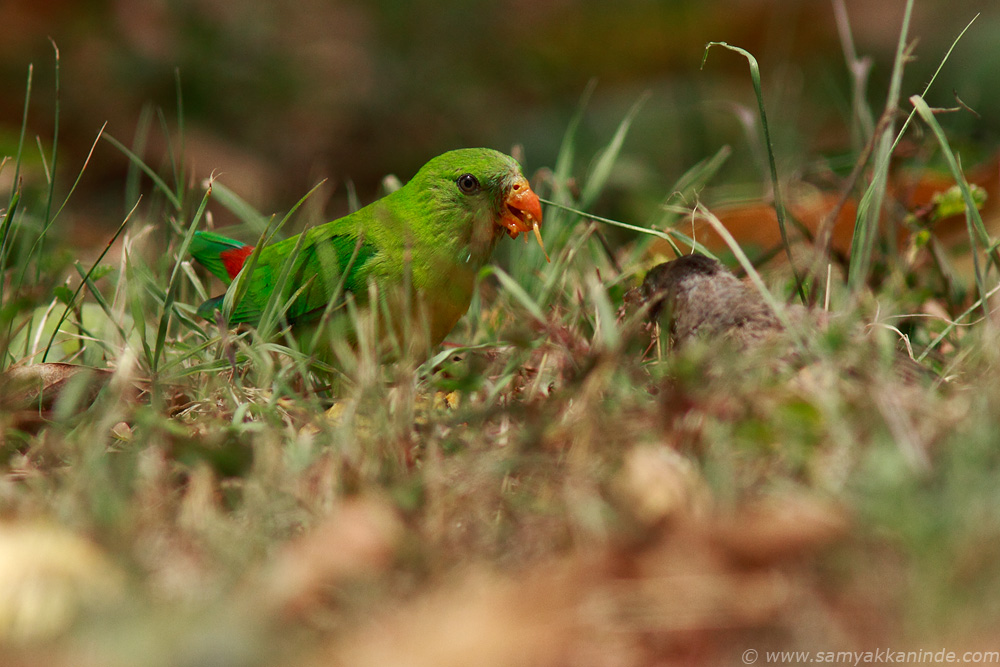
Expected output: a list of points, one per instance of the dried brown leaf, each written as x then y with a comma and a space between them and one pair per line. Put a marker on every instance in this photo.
41, 385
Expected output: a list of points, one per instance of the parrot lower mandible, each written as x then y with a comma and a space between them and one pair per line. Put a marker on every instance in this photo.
435, 234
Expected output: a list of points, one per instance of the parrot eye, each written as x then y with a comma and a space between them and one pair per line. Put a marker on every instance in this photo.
468, 184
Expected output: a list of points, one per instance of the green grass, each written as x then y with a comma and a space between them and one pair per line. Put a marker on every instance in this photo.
228, 499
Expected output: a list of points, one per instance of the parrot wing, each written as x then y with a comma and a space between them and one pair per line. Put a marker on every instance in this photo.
326, 260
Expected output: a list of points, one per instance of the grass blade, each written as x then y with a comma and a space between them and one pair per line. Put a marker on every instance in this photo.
567, 149
99, 298
7, 234
79, 176
686, 189
181, 174
744, 261
779, 206
334, 302
239, 207
516, 291
55, 150
952, 325
870, 207
76, 294
930, 82
172, 285
24, 131
667, 236
237, 290
278, 302
973, 220
862, 123
606, 159
138, 162
563, 170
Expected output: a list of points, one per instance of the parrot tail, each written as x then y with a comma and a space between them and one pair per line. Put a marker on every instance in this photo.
222, 256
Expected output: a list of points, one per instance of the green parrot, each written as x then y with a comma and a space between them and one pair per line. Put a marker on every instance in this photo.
435, 233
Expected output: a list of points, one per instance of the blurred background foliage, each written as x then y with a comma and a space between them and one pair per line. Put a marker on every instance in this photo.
277, 96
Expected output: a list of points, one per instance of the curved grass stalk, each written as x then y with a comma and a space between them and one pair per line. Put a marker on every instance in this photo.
779, 206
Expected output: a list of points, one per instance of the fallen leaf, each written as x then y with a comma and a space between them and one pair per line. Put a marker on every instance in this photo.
40, 386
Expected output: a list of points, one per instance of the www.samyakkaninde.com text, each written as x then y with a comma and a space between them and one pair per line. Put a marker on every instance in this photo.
877, 656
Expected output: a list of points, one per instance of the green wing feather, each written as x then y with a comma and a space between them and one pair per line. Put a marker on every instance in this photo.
320, 266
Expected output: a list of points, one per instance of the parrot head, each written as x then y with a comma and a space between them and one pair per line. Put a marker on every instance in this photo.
485, 187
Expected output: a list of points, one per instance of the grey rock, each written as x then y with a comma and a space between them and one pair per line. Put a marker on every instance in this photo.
695, 297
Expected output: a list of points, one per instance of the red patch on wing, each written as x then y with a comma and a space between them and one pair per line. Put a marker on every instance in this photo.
233, 259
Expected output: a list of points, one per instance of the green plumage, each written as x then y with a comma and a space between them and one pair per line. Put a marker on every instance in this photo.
430, 234
206, 248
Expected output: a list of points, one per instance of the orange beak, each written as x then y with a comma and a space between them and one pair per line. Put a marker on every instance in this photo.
522, 211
